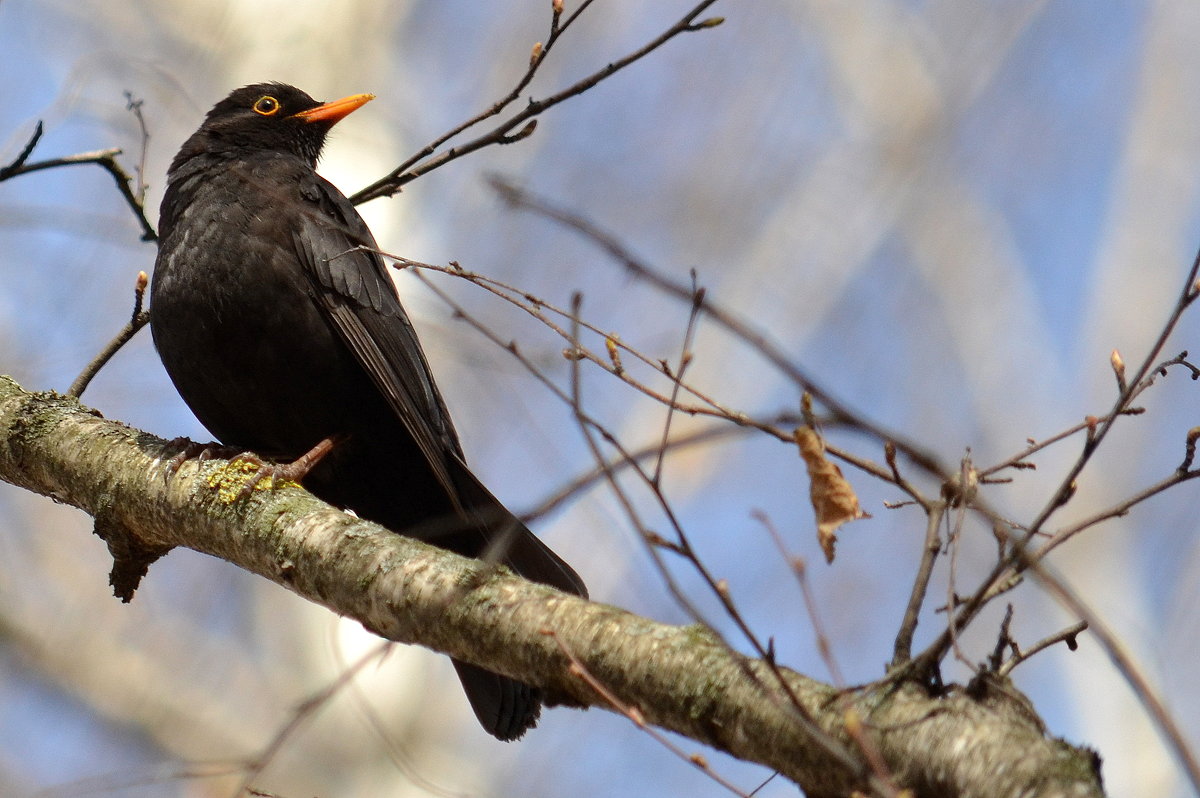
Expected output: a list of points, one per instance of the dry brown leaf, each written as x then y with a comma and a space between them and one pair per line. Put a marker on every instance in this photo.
833, 500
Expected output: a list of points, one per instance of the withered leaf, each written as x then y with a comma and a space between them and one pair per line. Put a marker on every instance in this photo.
834, 501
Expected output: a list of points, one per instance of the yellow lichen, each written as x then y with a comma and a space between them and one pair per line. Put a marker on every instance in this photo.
230, 480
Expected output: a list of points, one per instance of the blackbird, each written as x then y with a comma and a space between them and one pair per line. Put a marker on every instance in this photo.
280, 327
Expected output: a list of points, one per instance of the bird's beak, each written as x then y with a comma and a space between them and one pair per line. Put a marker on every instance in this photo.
332, 112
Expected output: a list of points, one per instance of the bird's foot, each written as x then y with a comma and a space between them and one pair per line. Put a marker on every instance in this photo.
266, 469
198, 451
285, 472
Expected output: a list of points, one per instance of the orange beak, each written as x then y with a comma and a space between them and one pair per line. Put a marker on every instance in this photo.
338, 109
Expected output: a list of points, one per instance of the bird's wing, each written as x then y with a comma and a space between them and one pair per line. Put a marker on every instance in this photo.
356, 292
354, 289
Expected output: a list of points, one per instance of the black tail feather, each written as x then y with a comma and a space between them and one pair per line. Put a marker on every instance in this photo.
506, 708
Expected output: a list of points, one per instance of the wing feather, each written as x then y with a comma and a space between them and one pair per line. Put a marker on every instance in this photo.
353, 286
351, 283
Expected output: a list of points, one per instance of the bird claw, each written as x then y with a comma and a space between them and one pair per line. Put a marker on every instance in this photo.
196, 451
265, 469
284, 472
276, 472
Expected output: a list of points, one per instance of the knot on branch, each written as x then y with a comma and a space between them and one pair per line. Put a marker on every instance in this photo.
131, 555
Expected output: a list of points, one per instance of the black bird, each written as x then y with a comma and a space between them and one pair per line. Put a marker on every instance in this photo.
280, 331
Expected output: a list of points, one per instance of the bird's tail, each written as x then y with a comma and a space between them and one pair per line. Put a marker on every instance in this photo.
506, 707
504, 539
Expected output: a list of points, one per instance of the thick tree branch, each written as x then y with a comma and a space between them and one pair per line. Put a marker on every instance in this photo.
987, 741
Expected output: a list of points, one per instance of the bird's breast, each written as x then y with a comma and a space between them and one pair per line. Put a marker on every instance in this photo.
235, 322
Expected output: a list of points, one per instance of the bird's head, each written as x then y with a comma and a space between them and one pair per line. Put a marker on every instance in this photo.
273, 117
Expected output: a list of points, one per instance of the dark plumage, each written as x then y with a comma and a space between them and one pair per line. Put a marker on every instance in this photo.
278, 334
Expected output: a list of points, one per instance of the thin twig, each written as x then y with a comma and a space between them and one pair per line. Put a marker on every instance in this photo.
1117, 510
966, 490
1135, 386
538, 57
902, 650
137, 320
741, 329
1020, 460
799, 569
638, 719
1128, 668
11, 170
767, 781
402, 758
595, 475
135, 106
426, 161
302, 713
1067, 636
1003, 640
125, 781
889, 456
685, 360
107, 160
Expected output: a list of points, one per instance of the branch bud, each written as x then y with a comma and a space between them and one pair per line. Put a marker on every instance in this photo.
614, 352
1118, 367
1190, 449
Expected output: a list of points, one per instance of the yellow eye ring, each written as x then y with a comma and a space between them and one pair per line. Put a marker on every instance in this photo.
266, 105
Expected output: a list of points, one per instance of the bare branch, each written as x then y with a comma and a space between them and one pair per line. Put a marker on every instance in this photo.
1117, 510
685, 360
11, 170
426, 160
137, 320
309, 707
583, 482
135, 106
1144, 374
774, 354
106, 159
902, 650
1124, 662
638, 719
1067, 636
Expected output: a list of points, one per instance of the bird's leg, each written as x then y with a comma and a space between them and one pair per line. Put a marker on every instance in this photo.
287, 472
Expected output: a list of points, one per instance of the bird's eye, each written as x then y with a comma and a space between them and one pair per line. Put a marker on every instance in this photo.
267, 106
